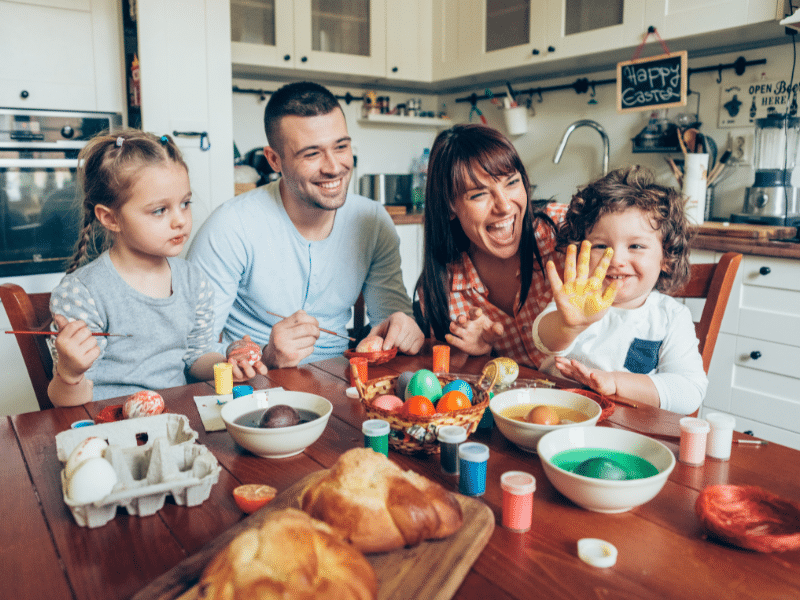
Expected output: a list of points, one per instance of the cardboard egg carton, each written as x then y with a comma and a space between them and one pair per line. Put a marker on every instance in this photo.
168, 462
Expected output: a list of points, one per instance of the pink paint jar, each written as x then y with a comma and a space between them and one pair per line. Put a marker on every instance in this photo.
518, 488
693, 441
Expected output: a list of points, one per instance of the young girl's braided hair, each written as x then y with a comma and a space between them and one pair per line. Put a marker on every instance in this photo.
108, 167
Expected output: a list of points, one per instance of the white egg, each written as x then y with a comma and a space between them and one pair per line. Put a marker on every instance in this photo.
91, 447
92, 481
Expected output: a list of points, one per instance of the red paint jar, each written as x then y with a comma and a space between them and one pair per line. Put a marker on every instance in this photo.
518, 488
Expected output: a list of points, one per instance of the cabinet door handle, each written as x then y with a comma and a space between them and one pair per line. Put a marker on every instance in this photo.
765, 270
304, 59
394, 69
551, 49
755, 355
24, 94
287, 57
535, 51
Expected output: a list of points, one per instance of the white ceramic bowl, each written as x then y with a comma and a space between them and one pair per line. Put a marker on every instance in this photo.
279, 442
527, 435
603, 495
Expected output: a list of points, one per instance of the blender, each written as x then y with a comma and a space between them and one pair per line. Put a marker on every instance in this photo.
772, 200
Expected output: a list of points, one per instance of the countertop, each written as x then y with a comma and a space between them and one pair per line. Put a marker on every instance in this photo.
757, 246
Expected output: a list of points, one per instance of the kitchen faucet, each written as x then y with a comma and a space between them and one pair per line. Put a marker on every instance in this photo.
585, 123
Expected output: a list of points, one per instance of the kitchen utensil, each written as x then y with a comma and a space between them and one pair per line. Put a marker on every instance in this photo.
389, 189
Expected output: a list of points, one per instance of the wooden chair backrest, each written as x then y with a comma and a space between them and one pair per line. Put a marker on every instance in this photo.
31, 312
714, 283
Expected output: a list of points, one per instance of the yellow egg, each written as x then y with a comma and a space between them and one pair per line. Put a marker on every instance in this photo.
543, 415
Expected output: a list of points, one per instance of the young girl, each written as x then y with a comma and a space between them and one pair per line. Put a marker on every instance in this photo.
136, 187
629, 339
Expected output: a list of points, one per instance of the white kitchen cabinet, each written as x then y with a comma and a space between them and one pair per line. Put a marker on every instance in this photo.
61, 55
331, 36
409, 40
680, 18
411, 241
754, 373
578, 27
184, 58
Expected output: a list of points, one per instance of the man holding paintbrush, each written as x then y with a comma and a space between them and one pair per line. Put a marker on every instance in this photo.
302, 246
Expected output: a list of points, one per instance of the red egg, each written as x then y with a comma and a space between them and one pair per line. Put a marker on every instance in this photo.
371, 343
143, 404
244, 351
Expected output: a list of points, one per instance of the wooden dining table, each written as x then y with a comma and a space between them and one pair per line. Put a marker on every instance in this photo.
664, 551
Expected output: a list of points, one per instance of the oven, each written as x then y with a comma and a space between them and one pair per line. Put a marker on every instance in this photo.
40, 211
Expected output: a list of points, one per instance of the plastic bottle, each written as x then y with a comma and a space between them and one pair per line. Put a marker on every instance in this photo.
419, 172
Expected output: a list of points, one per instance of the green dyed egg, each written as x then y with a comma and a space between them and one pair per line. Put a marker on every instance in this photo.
601, 468
424, 383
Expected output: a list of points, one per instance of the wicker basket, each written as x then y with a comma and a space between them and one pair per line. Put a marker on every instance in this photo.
410, 433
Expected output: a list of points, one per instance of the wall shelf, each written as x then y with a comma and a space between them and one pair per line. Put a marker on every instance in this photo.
406, 121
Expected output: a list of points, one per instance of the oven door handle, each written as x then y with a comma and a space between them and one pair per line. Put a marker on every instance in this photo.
38, 163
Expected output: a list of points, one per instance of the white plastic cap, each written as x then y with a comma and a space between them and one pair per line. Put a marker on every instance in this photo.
598, 553
693, 425
518, 483
375, 427
473, 452
451, 434
720, 421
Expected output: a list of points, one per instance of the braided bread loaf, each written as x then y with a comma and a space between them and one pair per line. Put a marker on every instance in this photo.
290, 557
377, 506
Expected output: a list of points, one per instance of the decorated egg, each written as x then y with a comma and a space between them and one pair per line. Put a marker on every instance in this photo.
244, 351
459, 385
424, 383
143, 404
91, 447
419, 406
507, 371
402, 383
387, 402
93, 480
452, 400
371, 343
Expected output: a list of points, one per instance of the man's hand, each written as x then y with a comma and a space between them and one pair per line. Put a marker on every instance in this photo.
77, 349
580, 299
292, 339
474, 333
401, 331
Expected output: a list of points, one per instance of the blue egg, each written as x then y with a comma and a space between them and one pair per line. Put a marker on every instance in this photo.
459, 385
402, 383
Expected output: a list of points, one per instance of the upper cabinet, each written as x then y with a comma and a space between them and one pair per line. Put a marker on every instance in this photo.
61, 55
331, 36
409, 43
679, 18
579, 27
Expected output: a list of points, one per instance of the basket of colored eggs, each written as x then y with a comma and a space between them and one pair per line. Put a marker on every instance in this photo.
417, 404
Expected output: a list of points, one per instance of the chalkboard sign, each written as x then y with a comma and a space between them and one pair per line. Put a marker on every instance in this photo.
652, 83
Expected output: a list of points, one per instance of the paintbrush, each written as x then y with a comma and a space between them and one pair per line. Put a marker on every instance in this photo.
95, 333
321, 329
675, 170
715, 172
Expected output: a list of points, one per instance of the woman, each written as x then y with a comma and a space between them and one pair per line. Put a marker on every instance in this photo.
483, 282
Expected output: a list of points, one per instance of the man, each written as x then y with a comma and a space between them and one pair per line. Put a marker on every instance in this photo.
302, 246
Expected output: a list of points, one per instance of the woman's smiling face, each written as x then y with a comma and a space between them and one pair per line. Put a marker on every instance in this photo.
491, 213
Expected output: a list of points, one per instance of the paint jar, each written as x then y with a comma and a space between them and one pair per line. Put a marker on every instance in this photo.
242, 390
441, 359
358, 365
450, 437
693, 441
376, 435
720, 436
518, 488
223, 378
472, 459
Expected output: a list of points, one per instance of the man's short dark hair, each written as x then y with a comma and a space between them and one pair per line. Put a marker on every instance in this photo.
301, 99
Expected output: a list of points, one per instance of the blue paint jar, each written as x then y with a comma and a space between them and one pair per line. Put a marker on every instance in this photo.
472, 459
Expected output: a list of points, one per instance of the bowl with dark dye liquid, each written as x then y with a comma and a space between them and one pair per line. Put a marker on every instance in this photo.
605, 470
243, 416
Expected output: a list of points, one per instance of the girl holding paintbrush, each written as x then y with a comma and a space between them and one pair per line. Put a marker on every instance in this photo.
136, 190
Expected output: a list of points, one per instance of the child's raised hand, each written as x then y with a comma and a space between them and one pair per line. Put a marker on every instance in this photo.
245, 356
474, 333
602, 382
77, 349
580, 299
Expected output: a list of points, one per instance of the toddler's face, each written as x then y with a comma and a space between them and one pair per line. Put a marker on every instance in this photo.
638, 254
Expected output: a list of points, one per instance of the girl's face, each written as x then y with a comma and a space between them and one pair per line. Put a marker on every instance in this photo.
156, 220
491, 214
638, 254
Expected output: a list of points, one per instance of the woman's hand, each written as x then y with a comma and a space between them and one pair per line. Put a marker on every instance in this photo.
580, 299
602, 382
474, 333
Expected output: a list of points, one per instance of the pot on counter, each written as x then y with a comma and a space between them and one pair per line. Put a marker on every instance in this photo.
387, 188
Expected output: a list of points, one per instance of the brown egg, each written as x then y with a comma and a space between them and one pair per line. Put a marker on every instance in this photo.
543, 415
279, 415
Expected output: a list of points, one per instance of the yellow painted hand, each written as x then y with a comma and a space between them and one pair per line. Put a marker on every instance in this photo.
584, 293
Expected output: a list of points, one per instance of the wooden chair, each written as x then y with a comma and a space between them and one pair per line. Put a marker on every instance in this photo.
712, 281
31, 312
